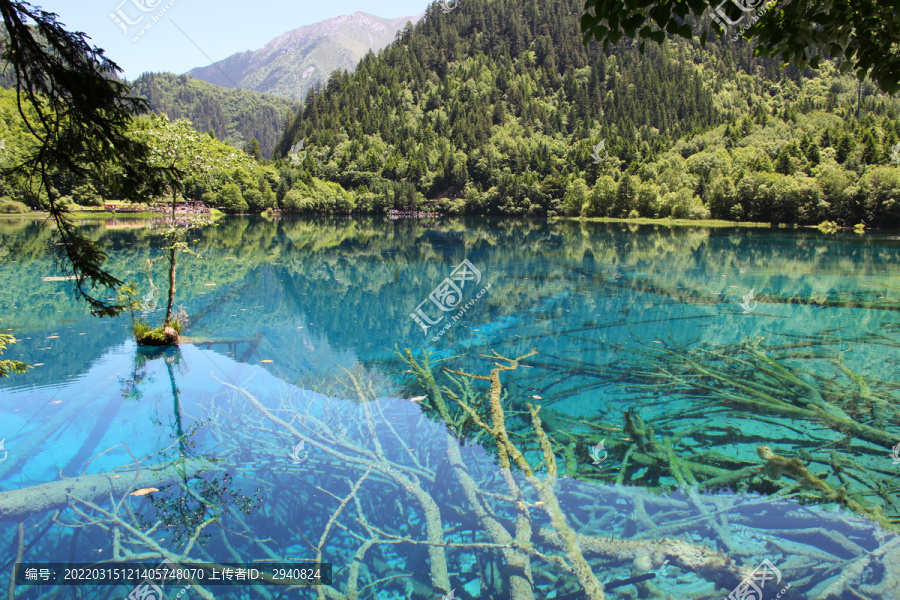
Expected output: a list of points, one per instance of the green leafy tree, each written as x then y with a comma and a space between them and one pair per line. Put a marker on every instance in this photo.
722, 198
230, 199
602, 198
647, 200
626, 197
253, 149
863, 32
844, 148
880, 189
458, 176
813, 155
871, 154
267, 196
784, 164
296, 201
86, 195
253, 200
575, 198
178, 147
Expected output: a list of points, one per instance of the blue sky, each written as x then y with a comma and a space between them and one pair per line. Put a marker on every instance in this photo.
193, 33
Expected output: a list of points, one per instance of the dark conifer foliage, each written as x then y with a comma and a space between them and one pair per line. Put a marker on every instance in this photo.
501, 63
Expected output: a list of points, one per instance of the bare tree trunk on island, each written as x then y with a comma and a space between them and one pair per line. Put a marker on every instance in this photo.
171, 264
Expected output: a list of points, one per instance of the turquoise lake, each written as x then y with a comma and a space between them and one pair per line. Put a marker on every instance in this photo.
718, 411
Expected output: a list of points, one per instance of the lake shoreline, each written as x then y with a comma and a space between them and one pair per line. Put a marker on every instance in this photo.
105, 214
714, 223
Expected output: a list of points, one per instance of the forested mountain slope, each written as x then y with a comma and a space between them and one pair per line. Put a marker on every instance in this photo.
235, 116
499, 104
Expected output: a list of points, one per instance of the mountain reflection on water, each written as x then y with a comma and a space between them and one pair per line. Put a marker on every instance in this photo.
688, 429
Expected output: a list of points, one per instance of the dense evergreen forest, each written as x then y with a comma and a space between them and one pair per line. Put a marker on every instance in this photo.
498, 108
499, 105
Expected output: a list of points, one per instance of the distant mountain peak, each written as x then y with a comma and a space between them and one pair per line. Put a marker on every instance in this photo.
292, 63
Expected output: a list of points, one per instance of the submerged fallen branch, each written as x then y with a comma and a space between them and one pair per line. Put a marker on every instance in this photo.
778, 465
648, 555
738, 540
25, 502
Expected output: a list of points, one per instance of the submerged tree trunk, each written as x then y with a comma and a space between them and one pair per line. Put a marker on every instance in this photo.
171, 265
23, 503
176, 401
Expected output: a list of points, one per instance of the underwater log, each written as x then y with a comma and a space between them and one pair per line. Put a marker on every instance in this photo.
16, 505
712, 565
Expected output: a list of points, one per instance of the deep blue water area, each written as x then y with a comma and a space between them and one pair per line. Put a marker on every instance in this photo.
689, 403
